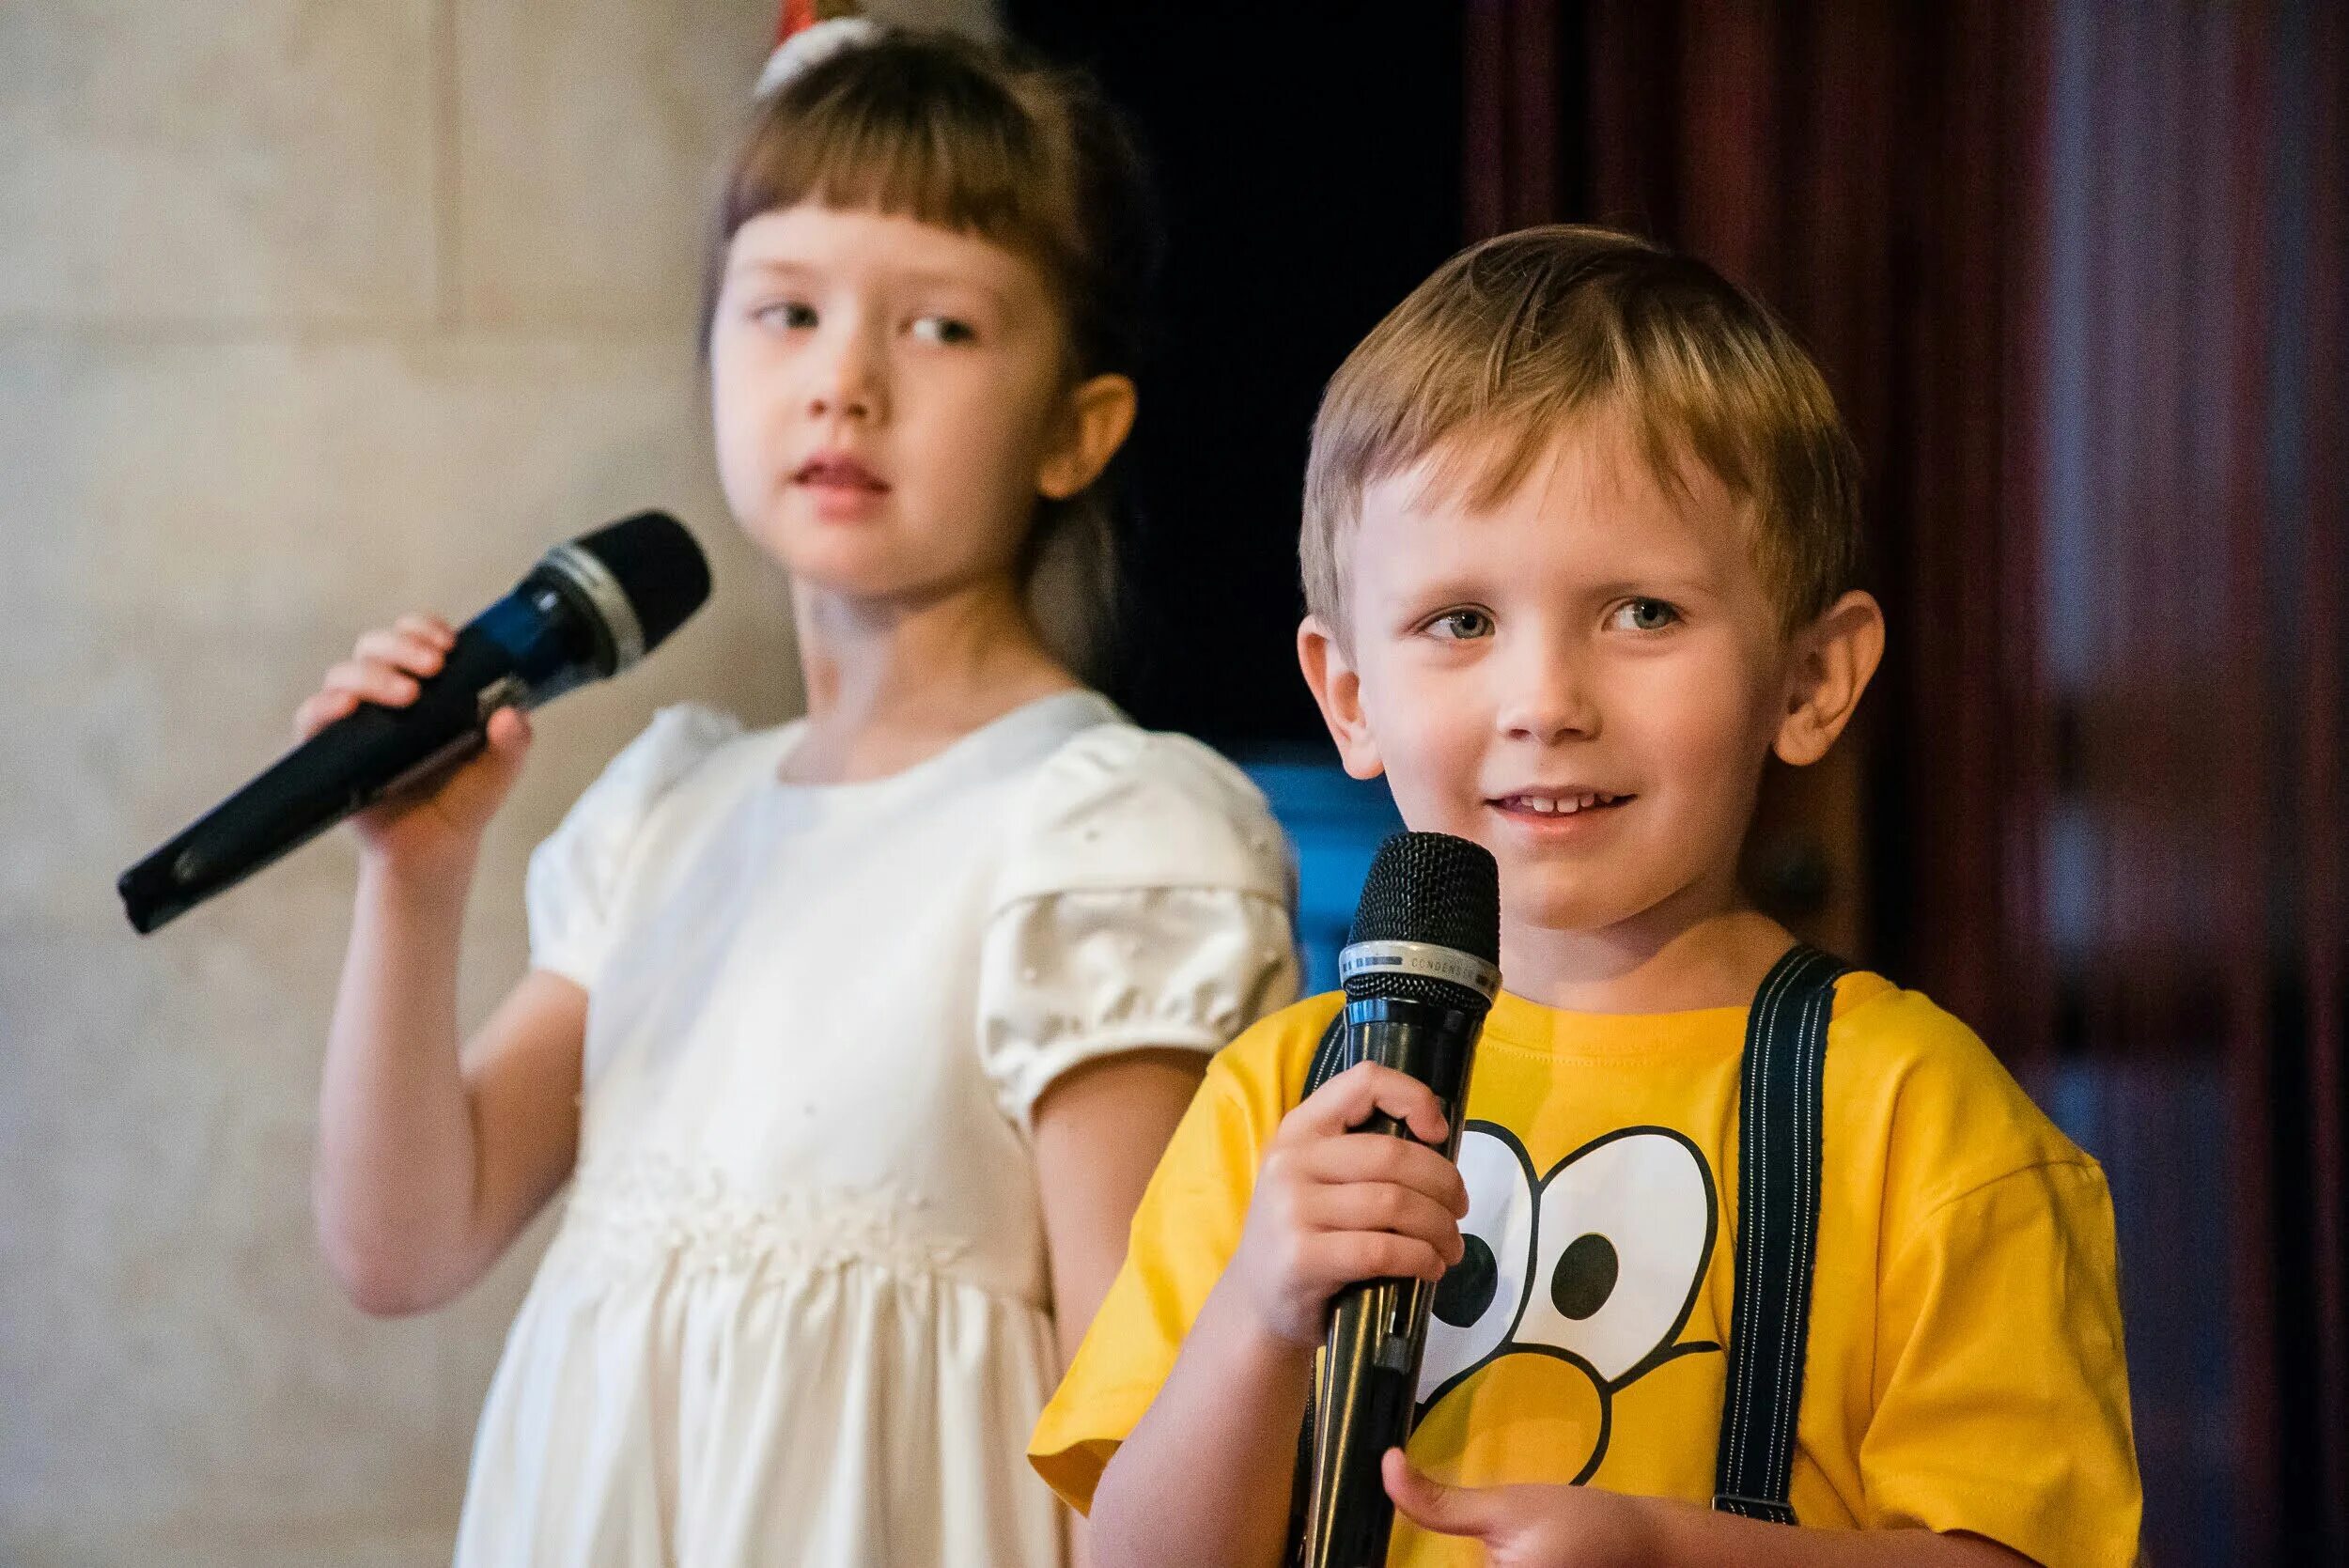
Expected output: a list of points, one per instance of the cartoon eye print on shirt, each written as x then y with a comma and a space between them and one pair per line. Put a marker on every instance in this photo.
1598, 1263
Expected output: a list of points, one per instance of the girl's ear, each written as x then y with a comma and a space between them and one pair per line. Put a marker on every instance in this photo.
1098, 417
1338, 688
1835, 656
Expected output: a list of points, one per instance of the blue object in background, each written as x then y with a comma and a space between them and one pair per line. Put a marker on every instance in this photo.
1336, 823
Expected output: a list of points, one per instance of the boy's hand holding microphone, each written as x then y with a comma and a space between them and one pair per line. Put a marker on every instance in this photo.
1334, 1207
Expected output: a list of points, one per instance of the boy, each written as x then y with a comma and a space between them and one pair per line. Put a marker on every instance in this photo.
1581, 525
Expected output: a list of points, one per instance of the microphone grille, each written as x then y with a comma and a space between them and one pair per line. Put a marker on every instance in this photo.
1430, 888
657, 565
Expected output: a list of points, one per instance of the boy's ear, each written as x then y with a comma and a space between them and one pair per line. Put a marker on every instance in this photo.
1834, 658
1098, 417
1339, 691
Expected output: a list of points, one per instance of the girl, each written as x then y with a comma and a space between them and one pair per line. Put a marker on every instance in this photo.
857, 1038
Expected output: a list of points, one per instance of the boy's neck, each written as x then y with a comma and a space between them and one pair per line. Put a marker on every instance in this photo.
891, 683
1646, 964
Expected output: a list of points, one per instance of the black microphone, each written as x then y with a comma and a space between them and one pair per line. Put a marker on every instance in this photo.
589, 608
1420, 976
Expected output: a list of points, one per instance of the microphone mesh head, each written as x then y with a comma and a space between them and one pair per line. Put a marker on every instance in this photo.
1429, 888
657, 565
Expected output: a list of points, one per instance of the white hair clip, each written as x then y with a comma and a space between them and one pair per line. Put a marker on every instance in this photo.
810, 46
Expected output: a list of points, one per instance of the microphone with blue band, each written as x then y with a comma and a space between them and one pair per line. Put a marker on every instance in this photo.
589, 608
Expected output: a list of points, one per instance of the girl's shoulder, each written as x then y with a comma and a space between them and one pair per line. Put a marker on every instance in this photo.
678, 741
1119, 806
574, 888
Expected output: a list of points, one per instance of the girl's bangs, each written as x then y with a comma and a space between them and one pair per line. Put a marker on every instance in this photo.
966, 171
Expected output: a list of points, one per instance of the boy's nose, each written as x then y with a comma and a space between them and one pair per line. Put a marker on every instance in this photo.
1546, 703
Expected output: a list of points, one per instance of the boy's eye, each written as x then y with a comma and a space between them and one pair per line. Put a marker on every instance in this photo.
1643, 614
943, 329
789, 314
1461, 626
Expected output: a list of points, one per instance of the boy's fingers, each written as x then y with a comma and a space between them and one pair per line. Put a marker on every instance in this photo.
1374, 1157
1342, 1258
1349, 1099
1368, 1206
1432, 1505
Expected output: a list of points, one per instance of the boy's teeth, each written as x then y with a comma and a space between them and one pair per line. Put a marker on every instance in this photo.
1566, 806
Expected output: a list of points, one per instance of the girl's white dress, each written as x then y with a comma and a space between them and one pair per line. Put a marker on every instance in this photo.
798, 1311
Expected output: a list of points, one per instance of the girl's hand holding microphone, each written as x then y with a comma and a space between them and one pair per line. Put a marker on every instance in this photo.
1333, 1206
436, 826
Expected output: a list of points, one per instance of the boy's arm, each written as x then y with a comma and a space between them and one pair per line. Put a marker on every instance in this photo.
1584, 1526
1205, 1476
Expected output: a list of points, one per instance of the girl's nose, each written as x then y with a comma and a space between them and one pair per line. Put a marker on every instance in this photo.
850, 385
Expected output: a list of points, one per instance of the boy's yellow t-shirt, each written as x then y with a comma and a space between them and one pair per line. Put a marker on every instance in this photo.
1965, 1366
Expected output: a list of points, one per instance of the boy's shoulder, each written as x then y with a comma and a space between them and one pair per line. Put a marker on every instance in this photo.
1923, 1091
1264, 1069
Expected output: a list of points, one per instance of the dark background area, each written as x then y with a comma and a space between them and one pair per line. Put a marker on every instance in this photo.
1310, 175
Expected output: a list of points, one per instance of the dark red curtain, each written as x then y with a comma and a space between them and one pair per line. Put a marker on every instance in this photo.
2076, 270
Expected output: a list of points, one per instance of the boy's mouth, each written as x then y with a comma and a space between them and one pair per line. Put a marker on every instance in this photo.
1558, 804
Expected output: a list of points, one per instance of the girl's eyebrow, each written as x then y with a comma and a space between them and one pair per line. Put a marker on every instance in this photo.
935, 278
786, 270
771, 266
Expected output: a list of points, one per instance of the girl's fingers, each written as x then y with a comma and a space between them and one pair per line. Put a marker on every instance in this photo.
412, 652
320, 709
432, 628
509, 732
1349, 1099
372, 682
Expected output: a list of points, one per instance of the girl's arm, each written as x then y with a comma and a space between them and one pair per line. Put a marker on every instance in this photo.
428, 1165
1099, 1130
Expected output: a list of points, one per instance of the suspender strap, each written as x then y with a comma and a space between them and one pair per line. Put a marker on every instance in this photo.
1778, 1199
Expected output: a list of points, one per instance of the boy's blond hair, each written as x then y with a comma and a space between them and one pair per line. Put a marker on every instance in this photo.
1489, 361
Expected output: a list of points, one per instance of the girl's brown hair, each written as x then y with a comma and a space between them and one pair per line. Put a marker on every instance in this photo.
984, 139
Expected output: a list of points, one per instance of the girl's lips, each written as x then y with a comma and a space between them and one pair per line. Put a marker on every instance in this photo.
835, 473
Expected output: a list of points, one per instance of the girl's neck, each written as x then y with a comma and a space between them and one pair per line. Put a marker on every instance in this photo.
1666, 961
892, 683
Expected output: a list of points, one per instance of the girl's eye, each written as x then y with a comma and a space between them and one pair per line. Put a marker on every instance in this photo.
943, 329
788, 315
1461, 626
1644, 615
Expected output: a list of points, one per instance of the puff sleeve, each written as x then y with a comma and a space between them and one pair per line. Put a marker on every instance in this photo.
1144, 901
572, 888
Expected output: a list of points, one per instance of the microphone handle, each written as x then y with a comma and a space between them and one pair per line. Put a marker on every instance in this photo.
531, 646
1368, 1376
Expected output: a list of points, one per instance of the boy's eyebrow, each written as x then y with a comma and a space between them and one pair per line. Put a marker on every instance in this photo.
1656, 585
